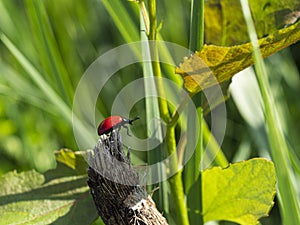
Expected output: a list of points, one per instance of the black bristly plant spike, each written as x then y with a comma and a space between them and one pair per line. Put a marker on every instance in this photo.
115, 188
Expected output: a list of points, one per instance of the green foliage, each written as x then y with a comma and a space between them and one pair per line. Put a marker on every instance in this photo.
225, 24
222, 63
45, 48
74, 160
278, 145
40, 54
31, 198
243, 192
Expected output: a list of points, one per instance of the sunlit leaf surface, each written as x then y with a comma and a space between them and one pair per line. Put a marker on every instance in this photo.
59, 196
216, 64
241, 193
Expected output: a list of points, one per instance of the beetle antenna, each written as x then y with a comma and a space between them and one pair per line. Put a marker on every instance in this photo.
134, 119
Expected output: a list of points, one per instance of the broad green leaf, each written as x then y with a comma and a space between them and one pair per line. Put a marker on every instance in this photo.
57, 197
217, 64
241, 193
225, 24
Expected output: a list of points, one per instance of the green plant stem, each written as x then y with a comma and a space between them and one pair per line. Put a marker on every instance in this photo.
155, 61
152, 111
145, 16
193, 178
278, 146
179, 109
196, 43
152, 19
175, 181
213, 147
197, 25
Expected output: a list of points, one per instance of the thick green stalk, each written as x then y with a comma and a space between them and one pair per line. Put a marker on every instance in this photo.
176, 180
197, 25
196, 43
152, 18
155, 61
279, 150
193, 178
152, 111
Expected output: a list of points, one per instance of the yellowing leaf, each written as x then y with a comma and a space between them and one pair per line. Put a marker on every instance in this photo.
216, 64
225, 24
67, 157
74, 160
241, 193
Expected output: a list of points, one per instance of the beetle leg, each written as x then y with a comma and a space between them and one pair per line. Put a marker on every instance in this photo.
127, 130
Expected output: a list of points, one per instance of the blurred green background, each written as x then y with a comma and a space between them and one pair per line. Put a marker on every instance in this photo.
47, 45
60, 41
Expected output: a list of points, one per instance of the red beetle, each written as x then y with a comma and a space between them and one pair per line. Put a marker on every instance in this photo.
114, 122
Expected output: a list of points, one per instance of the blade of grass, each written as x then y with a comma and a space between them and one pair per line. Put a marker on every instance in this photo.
152, 111
175, 181
197, 25
155, 61
279, 150
215, 153
193, 176
122, 19
48, 50
22, 88
128, 30
193, 167
45, 88
38, 78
